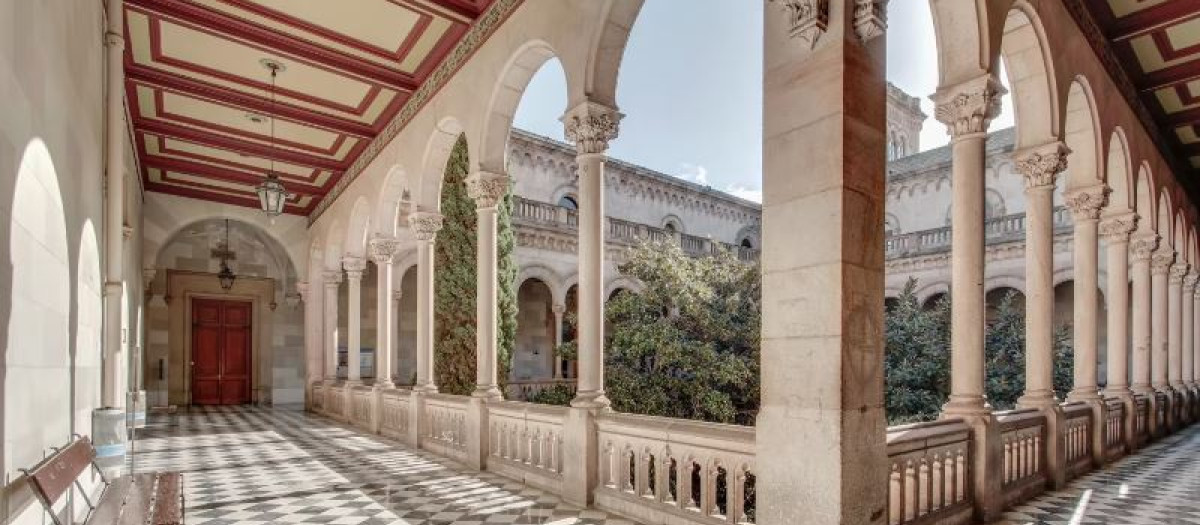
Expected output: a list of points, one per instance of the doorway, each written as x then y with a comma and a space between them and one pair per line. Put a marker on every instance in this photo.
221, 351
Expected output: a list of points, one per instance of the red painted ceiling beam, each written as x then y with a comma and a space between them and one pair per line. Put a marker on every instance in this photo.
1151, 19
283, 42
200, 89
465, 9
224, 142
228, 175
1157, 80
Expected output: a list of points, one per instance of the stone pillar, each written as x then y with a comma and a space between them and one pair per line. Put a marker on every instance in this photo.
425, 226
1160, 269
1040, 166
487, 189
333, 278
354, 270
590, 126
1179, 272
559, 310
112, 392
821, 440
382, 250
312, 351
1116, 229
1187, 358
1085, 205
397, 296
967, 109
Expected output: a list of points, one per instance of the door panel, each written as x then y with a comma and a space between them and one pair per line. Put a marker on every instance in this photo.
221, 352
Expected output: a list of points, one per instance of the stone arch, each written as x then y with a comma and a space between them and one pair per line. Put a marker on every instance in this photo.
433, 164
607, 50
549, 277
1179, 236
966, 40
506, 96
672, 221
533, 353
89, 322
1082, 137
1165, 223
623, 282
1119, 172
1144, 200
1030, 69
292, 235
387, 209
277, 254
997, 282
333, 245
358, 228
927, 290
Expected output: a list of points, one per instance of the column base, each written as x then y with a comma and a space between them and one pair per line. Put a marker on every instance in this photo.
428, 388
487, 392
965, 407
595, 399
1038, 400
1084, 395
581, 456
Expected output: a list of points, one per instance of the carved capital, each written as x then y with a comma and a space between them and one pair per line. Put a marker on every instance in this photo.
382, 249
354, 266
1189, 282
487, 189
114, 39
969, 107
332, 278
425, 225
870, 18
1161, 261
559, 309
1086, 203
591, 126
1142, 248
807, 19
1116, 228
1179, 271
1041, 165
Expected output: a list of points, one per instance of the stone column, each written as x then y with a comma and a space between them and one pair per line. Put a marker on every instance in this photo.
112, 392
397, 296
821, 440
1116, 229
967, 109
1085, 205
1160, 269
487, 189
590, 126
1040, 166
333, 279
354, 270
1141, 250
312, 349
425, 226
382, 251
1187, 359
559, 310
1179, 272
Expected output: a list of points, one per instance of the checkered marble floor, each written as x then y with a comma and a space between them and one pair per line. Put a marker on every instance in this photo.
251, 466
1159, 485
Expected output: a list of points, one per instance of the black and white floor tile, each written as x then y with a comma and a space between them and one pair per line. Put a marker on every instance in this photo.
250, 466
1159, 485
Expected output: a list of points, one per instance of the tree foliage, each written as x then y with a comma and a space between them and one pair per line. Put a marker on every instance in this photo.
455, 281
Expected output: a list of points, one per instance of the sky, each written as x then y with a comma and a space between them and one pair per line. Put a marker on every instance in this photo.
691, 89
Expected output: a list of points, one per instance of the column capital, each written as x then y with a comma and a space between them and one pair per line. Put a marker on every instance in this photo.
808, 20
114, 39
870, 18
355, 266
382, 248
1085, 203
1189, 282
1161, 261
969, 107
1116, 228
559, 309
1179, 271
425, 224
487, 188
332, 277
397, 295
1041, 164
1142, 247
591, 125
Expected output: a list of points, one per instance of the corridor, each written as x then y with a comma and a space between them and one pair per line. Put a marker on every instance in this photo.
1159, 485
267, 466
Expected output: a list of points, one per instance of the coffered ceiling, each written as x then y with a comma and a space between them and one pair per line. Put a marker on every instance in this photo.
200, 96
1156, 44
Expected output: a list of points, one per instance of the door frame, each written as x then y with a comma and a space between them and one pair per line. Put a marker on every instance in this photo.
182, 287
191, 300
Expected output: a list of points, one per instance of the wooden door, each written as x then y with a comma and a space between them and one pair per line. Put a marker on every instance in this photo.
221, 364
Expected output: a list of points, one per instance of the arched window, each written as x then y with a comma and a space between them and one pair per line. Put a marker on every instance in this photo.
747, 244
670, 226
568, 202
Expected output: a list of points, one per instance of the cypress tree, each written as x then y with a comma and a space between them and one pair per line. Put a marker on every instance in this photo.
455, 281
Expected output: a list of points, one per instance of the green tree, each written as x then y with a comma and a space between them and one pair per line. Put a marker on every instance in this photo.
1005, 359
916, 358
455, 281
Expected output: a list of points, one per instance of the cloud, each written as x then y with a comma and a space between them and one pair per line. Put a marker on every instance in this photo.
750, 194
693, 172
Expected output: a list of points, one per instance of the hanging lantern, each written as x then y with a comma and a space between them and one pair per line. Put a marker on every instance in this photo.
272, 196
226, 277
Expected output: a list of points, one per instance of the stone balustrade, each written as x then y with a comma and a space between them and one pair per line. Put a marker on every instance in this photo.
1009, 228
928, 465
662, 470
527, 388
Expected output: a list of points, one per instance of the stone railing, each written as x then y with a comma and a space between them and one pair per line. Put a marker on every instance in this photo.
1023, 436
1077, 430
1114, 429
526, 442
527, 388
660, 470
669, 471
624, 232
1008, 228
929, 480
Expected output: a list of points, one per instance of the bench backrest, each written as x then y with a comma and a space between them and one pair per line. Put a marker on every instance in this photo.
53, 477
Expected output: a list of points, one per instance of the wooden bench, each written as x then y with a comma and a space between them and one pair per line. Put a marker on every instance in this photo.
144, 499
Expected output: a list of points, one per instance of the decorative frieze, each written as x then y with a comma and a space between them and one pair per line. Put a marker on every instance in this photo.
382, 249
968, 108
1042, 164
1117, 228
870, 18
808, 20
1086, 203
487, 189
591, 126
425, 225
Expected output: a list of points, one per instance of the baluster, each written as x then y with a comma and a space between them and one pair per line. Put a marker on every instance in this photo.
926, 490
641, 477
896, 496
960, 476
938, 494
1007, 470
910, 491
